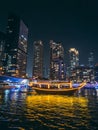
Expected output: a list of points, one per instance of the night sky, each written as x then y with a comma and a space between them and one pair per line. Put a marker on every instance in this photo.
72, 22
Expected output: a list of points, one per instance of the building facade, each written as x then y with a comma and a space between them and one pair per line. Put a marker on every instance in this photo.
16, 47
2, 46
96, 72
83, 73
38, 59
57, 66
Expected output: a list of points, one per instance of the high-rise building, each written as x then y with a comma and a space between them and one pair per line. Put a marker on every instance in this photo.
91, 60
73, 59
38, 59
57, 66
82, 73
16, 47
96, 72
2, 46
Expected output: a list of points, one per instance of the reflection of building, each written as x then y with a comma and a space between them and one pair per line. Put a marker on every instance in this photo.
57, 67
74, 59
16, 47
82, 73
38, 59
91, 60
2, 45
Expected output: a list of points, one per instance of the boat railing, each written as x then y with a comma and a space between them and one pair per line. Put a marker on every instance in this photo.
56, 85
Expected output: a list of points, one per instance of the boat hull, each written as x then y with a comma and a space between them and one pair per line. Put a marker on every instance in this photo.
56, 92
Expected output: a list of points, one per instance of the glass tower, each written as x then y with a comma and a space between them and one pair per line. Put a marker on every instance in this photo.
38, 59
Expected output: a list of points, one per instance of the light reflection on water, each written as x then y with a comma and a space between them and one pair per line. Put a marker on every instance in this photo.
57, 111
49, 112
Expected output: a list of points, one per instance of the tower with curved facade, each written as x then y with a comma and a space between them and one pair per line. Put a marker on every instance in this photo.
73, 59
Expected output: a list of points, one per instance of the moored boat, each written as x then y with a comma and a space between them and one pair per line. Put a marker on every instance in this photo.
57, 88
4, 86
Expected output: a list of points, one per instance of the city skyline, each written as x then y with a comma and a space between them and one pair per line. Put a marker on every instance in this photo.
72, 23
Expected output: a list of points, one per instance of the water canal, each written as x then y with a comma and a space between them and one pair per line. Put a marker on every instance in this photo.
49, 112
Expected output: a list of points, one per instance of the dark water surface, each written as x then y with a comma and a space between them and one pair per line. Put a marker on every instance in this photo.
49, 112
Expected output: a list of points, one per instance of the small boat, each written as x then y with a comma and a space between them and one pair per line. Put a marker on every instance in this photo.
4, 86
57, 88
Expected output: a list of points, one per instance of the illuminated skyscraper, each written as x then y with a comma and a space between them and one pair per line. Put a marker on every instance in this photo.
73, 59
38, 59
57, 66
16, 47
